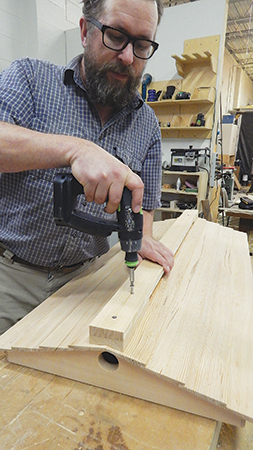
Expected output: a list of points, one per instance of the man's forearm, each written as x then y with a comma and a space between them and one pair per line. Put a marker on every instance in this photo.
23, 149
101, 174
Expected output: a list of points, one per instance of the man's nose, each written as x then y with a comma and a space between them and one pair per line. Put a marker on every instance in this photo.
126, 56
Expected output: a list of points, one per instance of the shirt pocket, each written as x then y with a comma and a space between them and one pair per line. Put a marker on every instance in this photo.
129, 157
46, 175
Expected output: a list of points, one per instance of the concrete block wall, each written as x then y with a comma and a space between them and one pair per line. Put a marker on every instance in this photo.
36, 28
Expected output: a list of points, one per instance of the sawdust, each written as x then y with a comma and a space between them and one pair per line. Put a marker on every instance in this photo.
233, 438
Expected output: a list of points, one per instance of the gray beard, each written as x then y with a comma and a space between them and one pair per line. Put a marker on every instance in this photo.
101, 92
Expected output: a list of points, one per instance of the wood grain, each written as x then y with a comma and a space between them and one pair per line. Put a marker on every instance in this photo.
116, 322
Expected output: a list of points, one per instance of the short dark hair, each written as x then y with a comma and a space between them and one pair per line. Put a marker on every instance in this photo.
93, 8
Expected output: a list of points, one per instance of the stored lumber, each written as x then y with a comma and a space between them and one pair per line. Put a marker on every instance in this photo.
214, 197
237, 182
206, 210
117, 321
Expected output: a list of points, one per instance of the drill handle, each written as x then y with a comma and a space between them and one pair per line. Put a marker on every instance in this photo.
66, 191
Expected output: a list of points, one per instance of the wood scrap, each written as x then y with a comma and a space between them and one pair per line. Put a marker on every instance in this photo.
237, 183
206, 210
214, 198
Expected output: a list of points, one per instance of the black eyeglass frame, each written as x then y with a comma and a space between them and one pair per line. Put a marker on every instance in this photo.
131, 39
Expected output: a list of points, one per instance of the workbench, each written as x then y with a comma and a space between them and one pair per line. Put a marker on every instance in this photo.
43, 411
245, 217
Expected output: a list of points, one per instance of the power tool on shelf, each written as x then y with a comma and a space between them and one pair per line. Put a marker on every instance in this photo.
129, 225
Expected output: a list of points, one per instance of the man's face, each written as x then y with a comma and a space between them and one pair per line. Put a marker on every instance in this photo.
112, 77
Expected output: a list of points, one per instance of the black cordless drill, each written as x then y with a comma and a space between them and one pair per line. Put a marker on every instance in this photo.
129, 225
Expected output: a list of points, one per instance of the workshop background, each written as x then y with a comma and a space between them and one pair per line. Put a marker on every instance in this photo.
48, 29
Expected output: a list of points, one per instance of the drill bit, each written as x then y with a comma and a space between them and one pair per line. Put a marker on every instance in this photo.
131, 277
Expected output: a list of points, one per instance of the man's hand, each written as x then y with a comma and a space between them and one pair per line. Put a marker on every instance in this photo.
157, 252
154, 250
104, 177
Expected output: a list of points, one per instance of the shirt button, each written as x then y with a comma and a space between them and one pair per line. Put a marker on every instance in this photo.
74, 234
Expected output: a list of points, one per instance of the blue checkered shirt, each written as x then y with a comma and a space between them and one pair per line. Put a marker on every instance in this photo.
52, 99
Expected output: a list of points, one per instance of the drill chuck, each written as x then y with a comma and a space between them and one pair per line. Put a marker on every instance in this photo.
131, 260
130, 229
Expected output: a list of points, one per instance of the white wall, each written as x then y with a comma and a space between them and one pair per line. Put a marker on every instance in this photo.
73, 43
237, 87
36, 28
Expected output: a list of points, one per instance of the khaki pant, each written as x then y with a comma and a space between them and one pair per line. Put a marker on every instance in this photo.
22, 288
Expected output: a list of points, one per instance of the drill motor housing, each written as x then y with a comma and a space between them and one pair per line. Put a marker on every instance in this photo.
129, 225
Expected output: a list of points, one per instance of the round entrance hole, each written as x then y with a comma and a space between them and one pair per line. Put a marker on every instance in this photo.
108, 361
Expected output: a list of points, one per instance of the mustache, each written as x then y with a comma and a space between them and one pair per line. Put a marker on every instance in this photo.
118, 68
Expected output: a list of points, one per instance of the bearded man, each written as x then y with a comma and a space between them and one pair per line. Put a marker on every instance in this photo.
86, 118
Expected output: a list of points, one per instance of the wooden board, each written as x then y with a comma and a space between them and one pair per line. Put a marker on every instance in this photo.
191, 351
214, 198
117, 321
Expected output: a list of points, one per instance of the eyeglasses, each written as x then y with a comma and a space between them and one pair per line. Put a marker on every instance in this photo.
118, 40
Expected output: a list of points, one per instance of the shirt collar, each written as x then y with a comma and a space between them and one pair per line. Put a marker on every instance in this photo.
72, 71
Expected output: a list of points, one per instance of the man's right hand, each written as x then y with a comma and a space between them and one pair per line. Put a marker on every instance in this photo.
104, 177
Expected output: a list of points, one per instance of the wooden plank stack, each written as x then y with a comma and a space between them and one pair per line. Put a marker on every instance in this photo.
191, 347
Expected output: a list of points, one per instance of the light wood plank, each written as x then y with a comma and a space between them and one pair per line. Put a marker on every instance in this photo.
205, 351
49, 315
115, 324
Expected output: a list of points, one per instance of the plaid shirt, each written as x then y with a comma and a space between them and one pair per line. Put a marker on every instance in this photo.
52, 99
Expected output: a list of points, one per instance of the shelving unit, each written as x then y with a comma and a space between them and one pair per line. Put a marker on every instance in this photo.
171, 194
198, 68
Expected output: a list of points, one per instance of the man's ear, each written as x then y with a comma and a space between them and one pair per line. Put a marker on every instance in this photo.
83, 30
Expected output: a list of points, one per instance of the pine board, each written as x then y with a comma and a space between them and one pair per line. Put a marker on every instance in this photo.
193, 347
116, 322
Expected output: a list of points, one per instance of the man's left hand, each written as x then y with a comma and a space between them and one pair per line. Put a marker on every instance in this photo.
157, 252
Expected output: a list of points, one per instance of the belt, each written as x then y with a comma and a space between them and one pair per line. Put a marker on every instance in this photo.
14, 258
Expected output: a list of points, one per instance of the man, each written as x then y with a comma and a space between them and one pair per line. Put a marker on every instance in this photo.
88, 119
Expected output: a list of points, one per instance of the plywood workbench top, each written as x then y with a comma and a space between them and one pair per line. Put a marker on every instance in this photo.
42, 411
